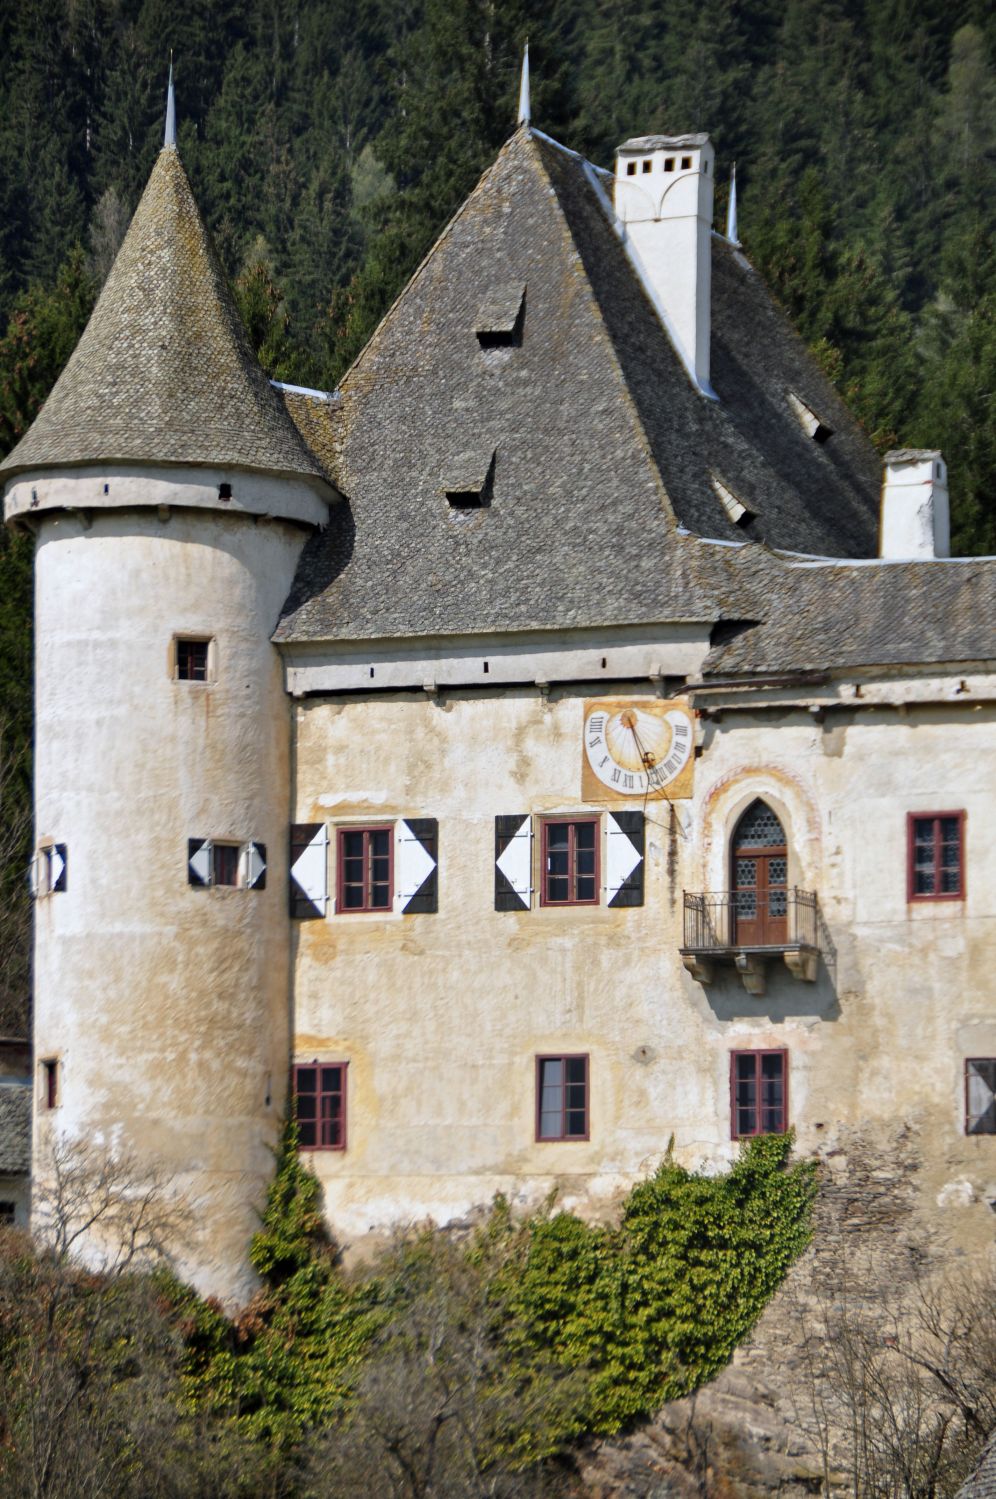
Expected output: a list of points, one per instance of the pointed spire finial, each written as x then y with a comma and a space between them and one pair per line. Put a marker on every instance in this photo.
731, 212
524, 89
169, 136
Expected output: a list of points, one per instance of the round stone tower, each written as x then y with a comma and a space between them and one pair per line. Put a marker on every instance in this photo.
170, 495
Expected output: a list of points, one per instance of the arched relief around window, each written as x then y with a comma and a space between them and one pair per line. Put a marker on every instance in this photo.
727, 805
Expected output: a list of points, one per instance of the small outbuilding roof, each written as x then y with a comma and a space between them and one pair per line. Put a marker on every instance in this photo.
164, 371
982, 1483
15, 1128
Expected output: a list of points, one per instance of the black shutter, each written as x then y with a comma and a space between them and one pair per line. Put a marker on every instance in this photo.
509, 896
59, 849
426, 897
631, 825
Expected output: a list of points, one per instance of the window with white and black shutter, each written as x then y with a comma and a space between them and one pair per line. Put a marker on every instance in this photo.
513, 862
624, 858
417, 865
309, 870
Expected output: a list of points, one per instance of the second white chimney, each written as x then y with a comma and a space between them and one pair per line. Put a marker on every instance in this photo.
663, 191
915, 516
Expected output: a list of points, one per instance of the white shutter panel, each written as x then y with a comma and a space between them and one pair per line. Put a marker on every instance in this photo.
416, 863
624, 840
309, 870
513, 863
198, 861
256, 866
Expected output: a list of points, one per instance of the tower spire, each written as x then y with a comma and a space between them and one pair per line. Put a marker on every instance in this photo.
169, 136
731, 211
524, 89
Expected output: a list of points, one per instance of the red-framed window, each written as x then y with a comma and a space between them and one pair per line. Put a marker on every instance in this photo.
935, 862
570, 861
365, 869
562, 1111
224, 863
980, 1095
758, 1093
320, 1105
192, 660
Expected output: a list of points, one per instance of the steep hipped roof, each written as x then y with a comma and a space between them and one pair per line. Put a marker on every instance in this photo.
164, 372
602, 448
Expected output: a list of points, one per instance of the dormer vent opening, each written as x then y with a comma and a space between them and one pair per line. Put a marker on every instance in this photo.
739, 513
224, 491
470, 486
811, 424
501, 317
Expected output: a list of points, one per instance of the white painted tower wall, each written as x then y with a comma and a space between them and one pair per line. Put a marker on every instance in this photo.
165, 1005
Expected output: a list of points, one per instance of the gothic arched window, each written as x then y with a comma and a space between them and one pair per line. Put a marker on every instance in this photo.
760, 879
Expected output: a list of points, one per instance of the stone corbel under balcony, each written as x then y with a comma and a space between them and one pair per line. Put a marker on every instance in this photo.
710, 939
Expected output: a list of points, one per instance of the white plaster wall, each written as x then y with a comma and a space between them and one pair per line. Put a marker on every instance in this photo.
440, 1016
111, 486
165, 1005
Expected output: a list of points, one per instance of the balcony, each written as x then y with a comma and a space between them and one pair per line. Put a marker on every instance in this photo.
750, 928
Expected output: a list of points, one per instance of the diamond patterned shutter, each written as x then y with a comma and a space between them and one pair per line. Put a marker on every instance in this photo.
198, 861
417, 869
57, 867
309, 870
980, 1078
624, 861
256, 866
513, 862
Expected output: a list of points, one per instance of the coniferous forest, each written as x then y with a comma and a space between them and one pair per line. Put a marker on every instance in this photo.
328, 141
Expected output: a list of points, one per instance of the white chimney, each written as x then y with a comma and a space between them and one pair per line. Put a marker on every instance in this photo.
915, 519
663, 198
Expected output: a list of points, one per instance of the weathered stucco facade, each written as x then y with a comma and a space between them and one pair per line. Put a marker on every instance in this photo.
440, 1016
321, 690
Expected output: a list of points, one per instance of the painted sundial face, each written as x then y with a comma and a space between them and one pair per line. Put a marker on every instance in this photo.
635, 751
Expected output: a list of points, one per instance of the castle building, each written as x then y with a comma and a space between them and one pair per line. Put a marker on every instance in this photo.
557, 740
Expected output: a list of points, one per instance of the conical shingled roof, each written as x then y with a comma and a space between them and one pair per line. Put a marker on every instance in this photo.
164, 372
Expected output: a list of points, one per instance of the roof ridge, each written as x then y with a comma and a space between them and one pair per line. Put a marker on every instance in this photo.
522, 130
642, 435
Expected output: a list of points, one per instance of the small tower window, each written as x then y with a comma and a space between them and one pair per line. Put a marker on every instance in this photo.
686, 162
192, 660
224, 863
669, 163
50, 1083
224, 491
631, 169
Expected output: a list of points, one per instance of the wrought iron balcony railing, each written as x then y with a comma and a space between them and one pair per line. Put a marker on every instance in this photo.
748, 926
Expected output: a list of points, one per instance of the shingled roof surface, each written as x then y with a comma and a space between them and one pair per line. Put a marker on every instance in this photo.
164, 371
603, 450
15, 1128
982, 1483
834, 616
